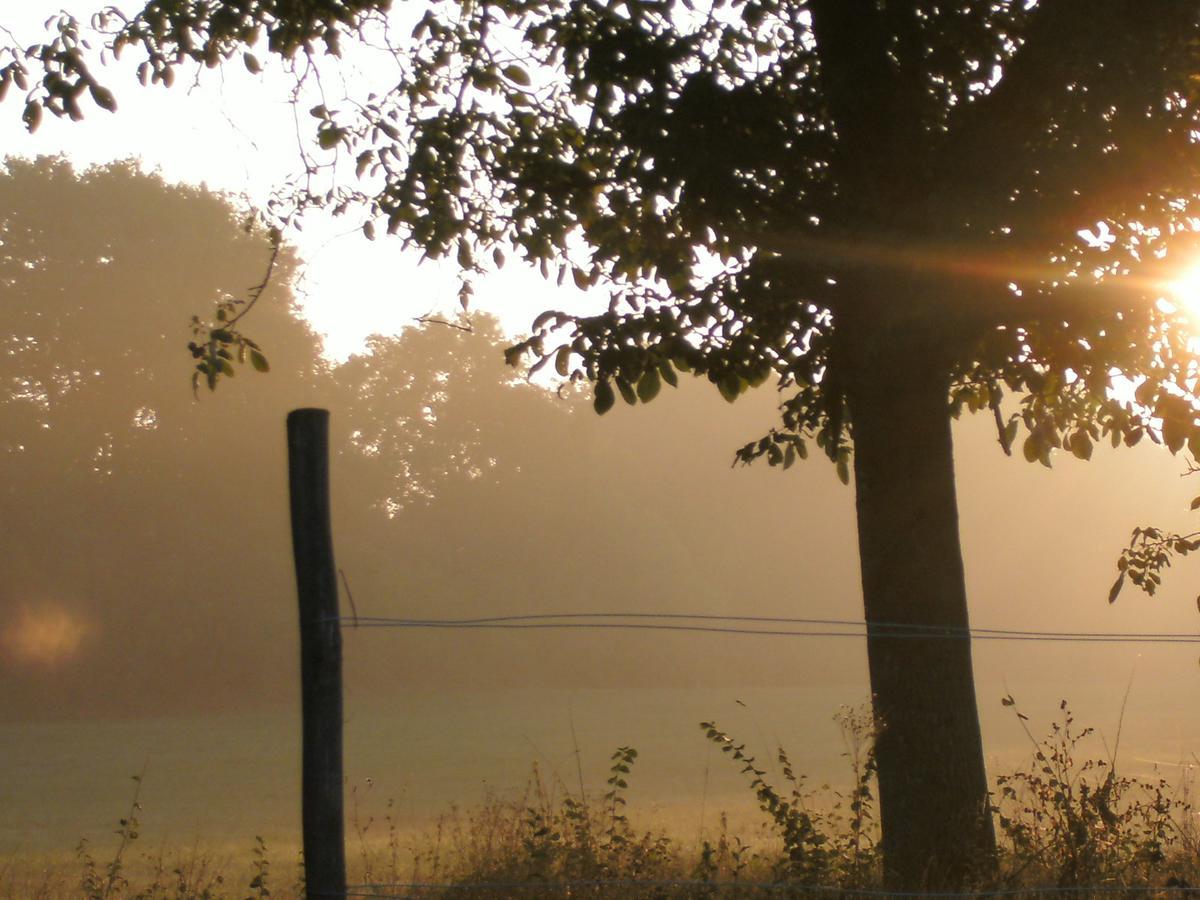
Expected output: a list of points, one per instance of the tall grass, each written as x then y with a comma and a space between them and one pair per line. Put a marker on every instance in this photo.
1067, 820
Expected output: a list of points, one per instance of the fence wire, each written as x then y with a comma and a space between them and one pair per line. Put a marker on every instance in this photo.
712, 623
751, 625
567, 887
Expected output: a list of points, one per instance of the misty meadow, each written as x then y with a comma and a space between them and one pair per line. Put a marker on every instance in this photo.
776, 555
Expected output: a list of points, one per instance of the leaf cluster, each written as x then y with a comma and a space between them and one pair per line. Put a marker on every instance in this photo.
1148, 555
215, 345
56, 73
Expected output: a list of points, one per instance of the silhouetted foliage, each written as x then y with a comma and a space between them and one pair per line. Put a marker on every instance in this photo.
415, 404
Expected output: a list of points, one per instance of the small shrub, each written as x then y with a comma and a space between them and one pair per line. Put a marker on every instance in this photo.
1074, 821
820, 848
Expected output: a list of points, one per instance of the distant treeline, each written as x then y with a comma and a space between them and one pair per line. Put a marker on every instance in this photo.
146, 556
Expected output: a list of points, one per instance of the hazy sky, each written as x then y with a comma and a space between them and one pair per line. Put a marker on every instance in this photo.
236, 132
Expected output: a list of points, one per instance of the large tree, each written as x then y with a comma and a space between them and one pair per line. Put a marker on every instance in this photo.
873, 202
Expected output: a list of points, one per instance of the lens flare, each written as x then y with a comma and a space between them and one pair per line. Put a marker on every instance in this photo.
1185, 291
45, 636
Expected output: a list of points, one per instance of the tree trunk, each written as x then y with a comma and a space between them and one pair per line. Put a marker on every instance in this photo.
933, 794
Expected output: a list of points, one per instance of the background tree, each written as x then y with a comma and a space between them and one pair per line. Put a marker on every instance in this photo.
152, 528
874, 203
119, 490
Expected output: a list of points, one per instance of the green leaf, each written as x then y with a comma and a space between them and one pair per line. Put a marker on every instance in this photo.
1194, 444
1145, 392
730, 385
103, 97
843, 469
1081, 445
1030, 449
604, 398
1116, 588
252, 63
562, 360
464, 254
328, 138
627, 392
259, 361
363, 162
668, 373
516, 75
1174, 432
32, 116
649, 385
680, 283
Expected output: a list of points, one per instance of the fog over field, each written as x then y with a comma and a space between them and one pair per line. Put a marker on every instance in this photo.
146, 552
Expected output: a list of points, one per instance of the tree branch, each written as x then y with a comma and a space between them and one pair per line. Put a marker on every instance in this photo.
427, 319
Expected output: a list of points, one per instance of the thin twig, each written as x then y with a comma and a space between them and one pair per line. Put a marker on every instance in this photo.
1112, 761
430, 320
349, 596
256, 291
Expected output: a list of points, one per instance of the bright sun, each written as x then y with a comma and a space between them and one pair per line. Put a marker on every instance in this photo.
1185, 290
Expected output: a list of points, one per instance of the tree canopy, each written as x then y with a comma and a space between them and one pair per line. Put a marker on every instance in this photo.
701, 163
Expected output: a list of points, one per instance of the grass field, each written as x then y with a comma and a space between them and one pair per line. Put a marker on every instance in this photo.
1069, 821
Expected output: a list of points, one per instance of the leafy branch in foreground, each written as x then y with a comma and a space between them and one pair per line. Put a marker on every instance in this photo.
1149, 553
218, 343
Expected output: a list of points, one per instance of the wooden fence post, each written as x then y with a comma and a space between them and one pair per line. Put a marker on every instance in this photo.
320, 654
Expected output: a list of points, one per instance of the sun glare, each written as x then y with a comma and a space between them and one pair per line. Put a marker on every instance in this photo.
46, 636
1185, 291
